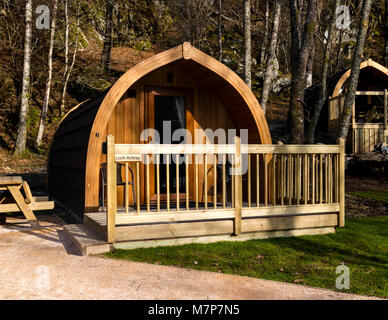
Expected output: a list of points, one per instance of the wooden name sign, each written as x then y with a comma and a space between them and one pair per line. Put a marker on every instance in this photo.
128, 157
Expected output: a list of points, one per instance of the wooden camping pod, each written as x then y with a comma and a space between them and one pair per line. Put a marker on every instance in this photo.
376, 67
364, 134
216, 97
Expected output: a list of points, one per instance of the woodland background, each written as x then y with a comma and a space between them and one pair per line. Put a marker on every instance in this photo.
278, 47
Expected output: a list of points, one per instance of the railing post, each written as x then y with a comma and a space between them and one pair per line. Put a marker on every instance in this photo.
237, 186
341, 181
111, 190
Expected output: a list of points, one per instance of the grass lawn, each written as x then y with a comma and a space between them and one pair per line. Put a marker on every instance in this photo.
310, 260
379, 195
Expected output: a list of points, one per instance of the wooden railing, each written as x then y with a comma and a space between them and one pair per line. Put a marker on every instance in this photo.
364, 136
265, 179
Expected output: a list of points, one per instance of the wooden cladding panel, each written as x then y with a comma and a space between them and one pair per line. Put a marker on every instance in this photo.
163, 231
67, 158
68, 177
74, 139
289, 223
84, 120
124, 126
77, 120
73, 199
207, 228
62, 159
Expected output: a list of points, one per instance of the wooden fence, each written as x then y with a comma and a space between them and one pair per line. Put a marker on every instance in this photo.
247, 182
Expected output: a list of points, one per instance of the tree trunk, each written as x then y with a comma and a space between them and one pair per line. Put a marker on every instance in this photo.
310, 66
271, 56
68, 70
353, 79
296, 110
22, 128
301, 17
264, 43
310, 62
64, 84
339, 52
106, 51
322, 95
66, 37
247, 43
386, 32
43, 115
295, 34
220, 30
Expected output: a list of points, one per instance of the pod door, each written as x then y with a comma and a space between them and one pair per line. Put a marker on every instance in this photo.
169, 114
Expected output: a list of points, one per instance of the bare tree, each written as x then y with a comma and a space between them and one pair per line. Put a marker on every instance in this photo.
69, 69
194, 16
322, 95
266, 26
353, 79
43, 115
220, 30
339, 51
67, 27
299, 56
271, 56
310, 62
386, 32
62, 107
107, 49
22, 128
310, 67
247, 42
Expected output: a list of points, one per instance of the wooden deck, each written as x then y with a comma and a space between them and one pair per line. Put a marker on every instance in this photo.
271, 221
303, 194
169, 229
302, 188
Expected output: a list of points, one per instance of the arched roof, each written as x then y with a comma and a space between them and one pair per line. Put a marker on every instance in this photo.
72, 110
187, 52
231, 89
364, 64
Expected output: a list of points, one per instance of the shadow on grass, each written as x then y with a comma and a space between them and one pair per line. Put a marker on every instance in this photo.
309, 260
314, 248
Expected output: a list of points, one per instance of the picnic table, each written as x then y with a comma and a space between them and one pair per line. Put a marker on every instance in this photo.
22, 202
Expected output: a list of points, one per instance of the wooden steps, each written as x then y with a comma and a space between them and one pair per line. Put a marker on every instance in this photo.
87, 241
96, 222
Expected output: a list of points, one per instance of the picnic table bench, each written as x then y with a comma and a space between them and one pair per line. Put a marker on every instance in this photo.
26, 203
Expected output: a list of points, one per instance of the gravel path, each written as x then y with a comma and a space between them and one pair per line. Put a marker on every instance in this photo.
42, 264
